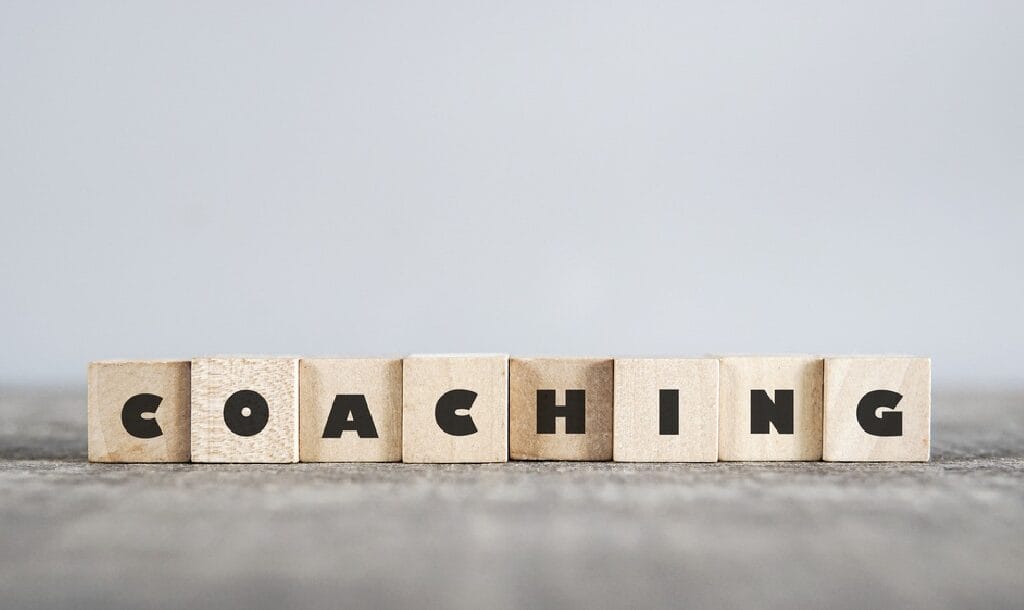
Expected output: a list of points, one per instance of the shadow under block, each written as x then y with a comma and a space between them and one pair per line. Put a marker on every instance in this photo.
770, 408
138, 411
350, 410
877, 409
245, 410
666, 410
455, 409
560, 409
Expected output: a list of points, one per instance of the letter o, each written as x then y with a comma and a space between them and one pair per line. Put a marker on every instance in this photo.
246, 425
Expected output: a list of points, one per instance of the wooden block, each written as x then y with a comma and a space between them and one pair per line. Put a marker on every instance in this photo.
245, 410
139, 411
877, 409
455, 409
770, 408
350, 410
666, 410
561, 409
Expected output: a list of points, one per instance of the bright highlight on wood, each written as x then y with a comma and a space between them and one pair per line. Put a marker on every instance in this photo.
488, 408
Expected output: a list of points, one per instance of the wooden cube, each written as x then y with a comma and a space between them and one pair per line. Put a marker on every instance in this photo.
455, 409
139, 411
245, 410
877, 409
350, 410
561, 408
666, 410
770, 408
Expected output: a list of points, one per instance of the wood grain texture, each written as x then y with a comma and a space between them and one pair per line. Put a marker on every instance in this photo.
848, 379
592, 375
425, 379
378, 380
112, 384
214, 380
638, 383
740, 375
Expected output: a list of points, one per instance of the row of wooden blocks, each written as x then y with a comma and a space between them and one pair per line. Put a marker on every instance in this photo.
489, 408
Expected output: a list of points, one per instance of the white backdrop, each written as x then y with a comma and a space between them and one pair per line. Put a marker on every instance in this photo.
183, 178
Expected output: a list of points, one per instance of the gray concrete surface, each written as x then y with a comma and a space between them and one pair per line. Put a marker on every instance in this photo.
947, 534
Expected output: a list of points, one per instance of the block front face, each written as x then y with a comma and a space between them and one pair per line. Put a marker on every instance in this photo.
139, 411
455, 409
770, 408
877, 409
245, 410
561, 409
666, 410
350, 410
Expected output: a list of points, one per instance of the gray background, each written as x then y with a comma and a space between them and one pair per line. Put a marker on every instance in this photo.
183, 178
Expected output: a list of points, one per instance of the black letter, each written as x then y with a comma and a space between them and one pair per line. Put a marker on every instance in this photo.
338, 419
241, 423
450, 402
668, 420
764, 412
132, 420
886, 424
574, 411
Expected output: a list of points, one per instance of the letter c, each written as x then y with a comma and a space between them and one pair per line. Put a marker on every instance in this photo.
445, 413
132, 420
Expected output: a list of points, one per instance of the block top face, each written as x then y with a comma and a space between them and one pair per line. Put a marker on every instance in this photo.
345, 360
455, 409
778, 359
245, 409
247, 357
127, 361
750, 387
881, 359
668, 360
138, 411
456, 356
767, 369
893, 357
551, 366
547, 397
235, 360
877, 409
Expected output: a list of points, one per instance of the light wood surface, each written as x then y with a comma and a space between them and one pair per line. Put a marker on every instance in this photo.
637, 409
426, 379
378, 381
215, 380
849, 380
592, 375
114, 383
802, 375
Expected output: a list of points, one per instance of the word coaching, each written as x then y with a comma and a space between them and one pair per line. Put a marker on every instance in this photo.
490, 408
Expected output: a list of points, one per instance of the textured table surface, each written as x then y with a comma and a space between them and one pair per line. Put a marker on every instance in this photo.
949, 533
